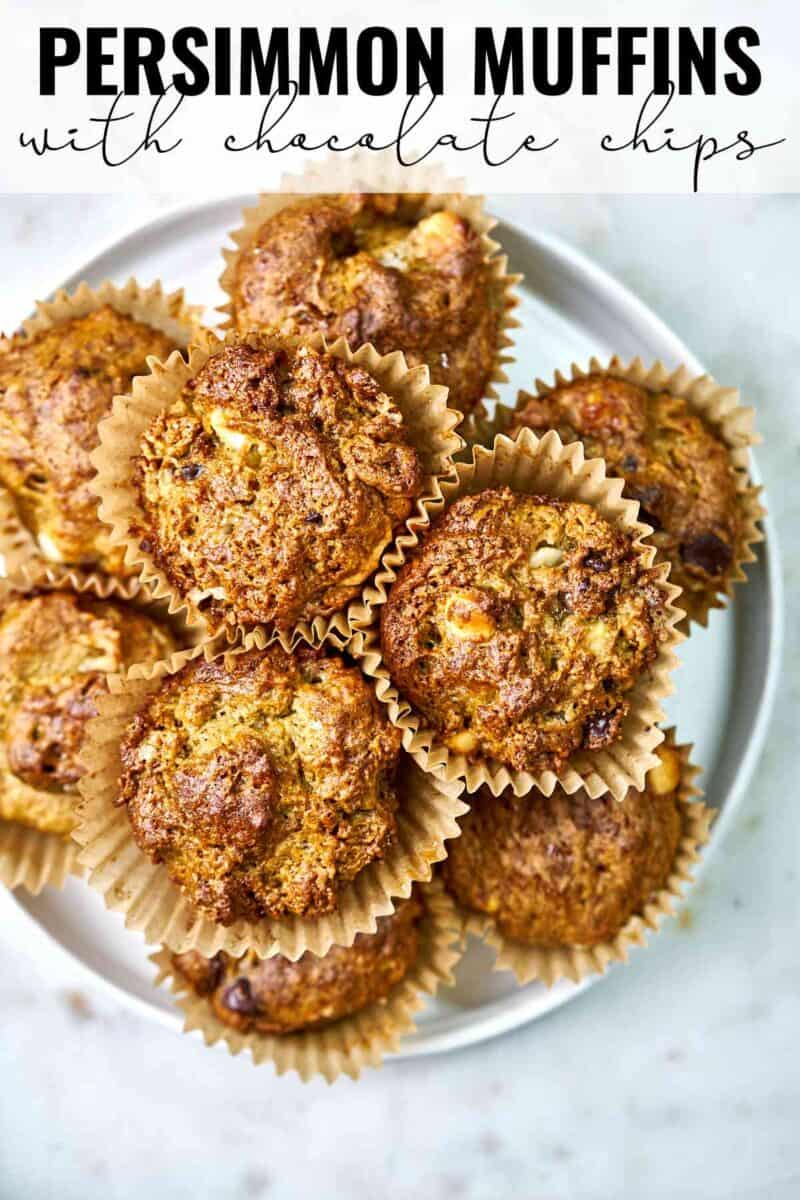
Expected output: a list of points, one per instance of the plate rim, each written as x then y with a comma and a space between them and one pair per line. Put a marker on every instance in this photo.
501, 1015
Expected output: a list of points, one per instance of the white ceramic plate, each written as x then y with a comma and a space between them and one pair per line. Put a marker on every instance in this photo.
570, 310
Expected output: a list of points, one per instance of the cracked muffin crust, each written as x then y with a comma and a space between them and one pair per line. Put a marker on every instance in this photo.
54, 388
567, 870
520, 626
672, 462
264, 783
56, 649
276, 996
277, 480
382, 269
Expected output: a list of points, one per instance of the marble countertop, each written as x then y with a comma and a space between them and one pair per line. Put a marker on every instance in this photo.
679, 1076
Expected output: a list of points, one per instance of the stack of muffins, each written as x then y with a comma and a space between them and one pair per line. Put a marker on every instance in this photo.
312, 662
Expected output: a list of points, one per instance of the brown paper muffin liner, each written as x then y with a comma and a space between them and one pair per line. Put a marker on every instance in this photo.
365, 173
166, 311
718, 407
431, 425
353, 1043
536, 466
30, 858
575, 962
154, 905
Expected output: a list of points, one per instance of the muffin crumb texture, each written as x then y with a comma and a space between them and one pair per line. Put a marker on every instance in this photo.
56, 649
567, 870
264, 783
276, 996
275, 483
672, 462
520, 626
54, 388
382, 269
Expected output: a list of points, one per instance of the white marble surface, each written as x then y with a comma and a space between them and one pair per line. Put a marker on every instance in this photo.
678, 1077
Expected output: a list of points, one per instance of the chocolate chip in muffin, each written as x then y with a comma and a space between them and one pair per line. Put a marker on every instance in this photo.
239, 998
191, 471
596, 562
649, 497
709, 553
601, 728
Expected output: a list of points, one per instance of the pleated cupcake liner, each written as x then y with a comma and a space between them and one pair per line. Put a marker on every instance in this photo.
351, 1044
538, 466
33, 860
155, 906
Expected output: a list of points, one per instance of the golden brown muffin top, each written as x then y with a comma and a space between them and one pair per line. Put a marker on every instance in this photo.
672, 463
54, 388
276, 996
381, 269
278, 479
520, 626
56, 649
264, 784
567, 870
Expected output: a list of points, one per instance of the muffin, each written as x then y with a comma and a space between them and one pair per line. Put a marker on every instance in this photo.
56, 649
383, 269
274, 483
520, 626
567, 870
54, 388
672, 462
262, 780
276, 996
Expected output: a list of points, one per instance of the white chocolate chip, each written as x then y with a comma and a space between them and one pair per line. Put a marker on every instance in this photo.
229, 437
48, 547
462, 742
394, 256
437, 227
546, 556
104, 661
599, 639
431, 234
